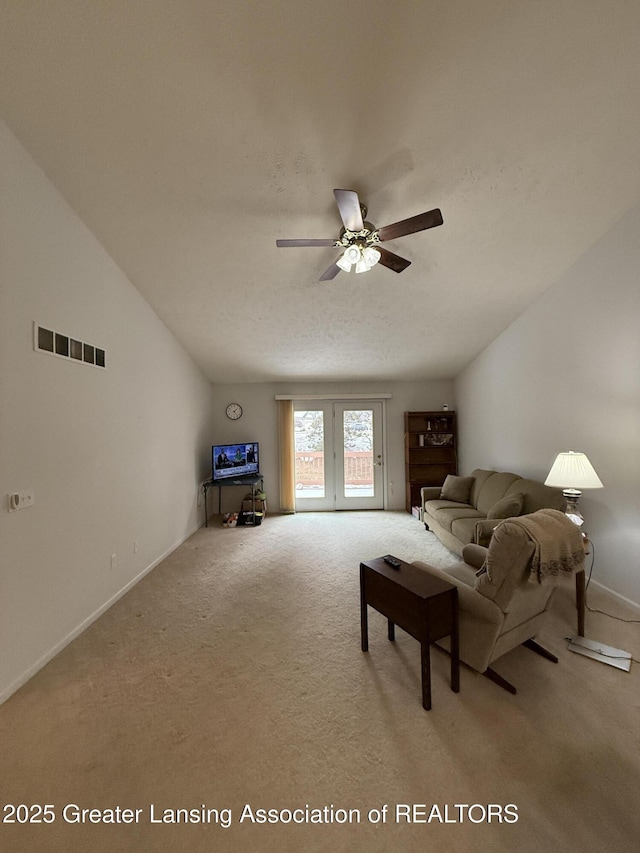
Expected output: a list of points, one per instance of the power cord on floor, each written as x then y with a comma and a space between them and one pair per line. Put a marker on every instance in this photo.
593, 609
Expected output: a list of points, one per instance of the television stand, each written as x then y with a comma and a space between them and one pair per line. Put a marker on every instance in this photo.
250, 480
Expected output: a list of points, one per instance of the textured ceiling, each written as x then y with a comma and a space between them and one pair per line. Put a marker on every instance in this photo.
190, 135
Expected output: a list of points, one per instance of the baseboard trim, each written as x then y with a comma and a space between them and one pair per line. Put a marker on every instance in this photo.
59, 646
621, 598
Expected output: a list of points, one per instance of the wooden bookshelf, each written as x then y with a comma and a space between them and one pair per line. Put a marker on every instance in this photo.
430, 452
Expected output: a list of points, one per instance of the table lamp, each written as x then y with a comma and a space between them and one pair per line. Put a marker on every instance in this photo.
573, 472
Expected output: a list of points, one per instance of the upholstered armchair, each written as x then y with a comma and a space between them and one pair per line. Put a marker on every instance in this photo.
504, 590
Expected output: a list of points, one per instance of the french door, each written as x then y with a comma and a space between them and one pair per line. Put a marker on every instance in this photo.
338, 452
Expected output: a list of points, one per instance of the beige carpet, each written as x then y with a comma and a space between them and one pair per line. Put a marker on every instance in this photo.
232, 676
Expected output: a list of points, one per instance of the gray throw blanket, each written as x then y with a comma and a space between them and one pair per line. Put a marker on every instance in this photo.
558, 543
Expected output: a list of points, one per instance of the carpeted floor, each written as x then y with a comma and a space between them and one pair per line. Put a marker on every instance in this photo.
231, 680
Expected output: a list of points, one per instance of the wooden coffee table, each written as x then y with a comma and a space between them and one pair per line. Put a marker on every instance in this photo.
424, 606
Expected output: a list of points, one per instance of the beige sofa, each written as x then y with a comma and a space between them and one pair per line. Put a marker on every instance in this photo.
466, 510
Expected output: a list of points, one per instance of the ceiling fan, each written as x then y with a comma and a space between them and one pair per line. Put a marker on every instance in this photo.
361, 240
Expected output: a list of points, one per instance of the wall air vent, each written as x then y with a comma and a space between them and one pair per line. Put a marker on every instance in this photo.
64, 346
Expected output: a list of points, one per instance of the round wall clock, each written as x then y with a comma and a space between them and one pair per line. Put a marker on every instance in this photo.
234, 411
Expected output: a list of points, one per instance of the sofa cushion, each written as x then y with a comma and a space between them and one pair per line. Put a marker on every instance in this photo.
464, 528
507, 507
480, 476
447, 516
456, 488
433, 507
494, 488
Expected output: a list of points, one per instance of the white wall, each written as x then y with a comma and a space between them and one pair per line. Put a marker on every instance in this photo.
114, 456
259, 422
566, 376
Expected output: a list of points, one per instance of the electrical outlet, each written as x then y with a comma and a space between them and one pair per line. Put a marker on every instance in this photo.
114, 560
21, 500
136, 545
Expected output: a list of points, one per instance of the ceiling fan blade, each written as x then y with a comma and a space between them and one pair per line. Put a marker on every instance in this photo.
294, 243
349, 207
409, 226
330, 272
393, 262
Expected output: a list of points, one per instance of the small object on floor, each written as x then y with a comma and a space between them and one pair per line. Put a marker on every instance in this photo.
391, 561
599, 651
250, 519
230, 519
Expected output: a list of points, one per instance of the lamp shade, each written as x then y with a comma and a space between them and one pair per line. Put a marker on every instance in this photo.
572, 470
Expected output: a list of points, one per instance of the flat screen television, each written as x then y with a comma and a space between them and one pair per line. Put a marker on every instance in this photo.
234, 460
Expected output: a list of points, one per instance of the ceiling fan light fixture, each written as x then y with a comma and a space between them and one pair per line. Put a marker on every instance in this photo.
359, 238
371, 256
352, 254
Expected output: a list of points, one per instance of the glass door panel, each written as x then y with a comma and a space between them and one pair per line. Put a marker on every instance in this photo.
313, 477
338, 455
358, 442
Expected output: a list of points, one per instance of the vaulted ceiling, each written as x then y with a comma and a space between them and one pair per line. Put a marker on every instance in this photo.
190, 134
